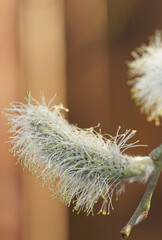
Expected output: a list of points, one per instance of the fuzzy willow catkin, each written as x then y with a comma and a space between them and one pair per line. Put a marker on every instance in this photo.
78, 165
146, 78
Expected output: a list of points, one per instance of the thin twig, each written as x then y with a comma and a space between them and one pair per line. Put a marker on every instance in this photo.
143, 208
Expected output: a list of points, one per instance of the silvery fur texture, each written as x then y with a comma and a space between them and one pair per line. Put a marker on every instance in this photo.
79, 166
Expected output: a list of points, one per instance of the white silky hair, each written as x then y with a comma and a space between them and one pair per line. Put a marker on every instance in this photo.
146, 78
79, 165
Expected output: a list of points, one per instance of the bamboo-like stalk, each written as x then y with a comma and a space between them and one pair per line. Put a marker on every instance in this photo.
42, 61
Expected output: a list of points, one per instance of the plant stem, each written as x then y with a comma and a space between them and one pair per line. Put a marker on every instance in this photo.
143, 208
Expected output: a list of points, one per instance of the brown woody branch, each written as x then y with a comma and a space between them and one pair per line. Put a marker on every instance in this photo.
143, 208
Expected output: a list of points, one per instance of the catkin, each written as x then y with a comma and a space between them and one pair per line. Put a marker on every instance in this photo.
79, 165
145, 72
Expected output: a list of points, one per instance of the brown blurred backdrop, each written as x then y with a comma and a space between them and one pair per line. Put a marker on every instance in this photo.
78, 49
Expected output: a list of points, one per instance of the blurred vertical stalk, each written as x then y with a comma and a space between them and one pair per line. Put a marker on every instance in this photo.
42, 60
10, 213
88, 83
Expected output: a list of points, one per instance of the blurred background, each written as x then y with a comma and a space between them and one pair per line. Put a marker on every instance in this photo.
78, 49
